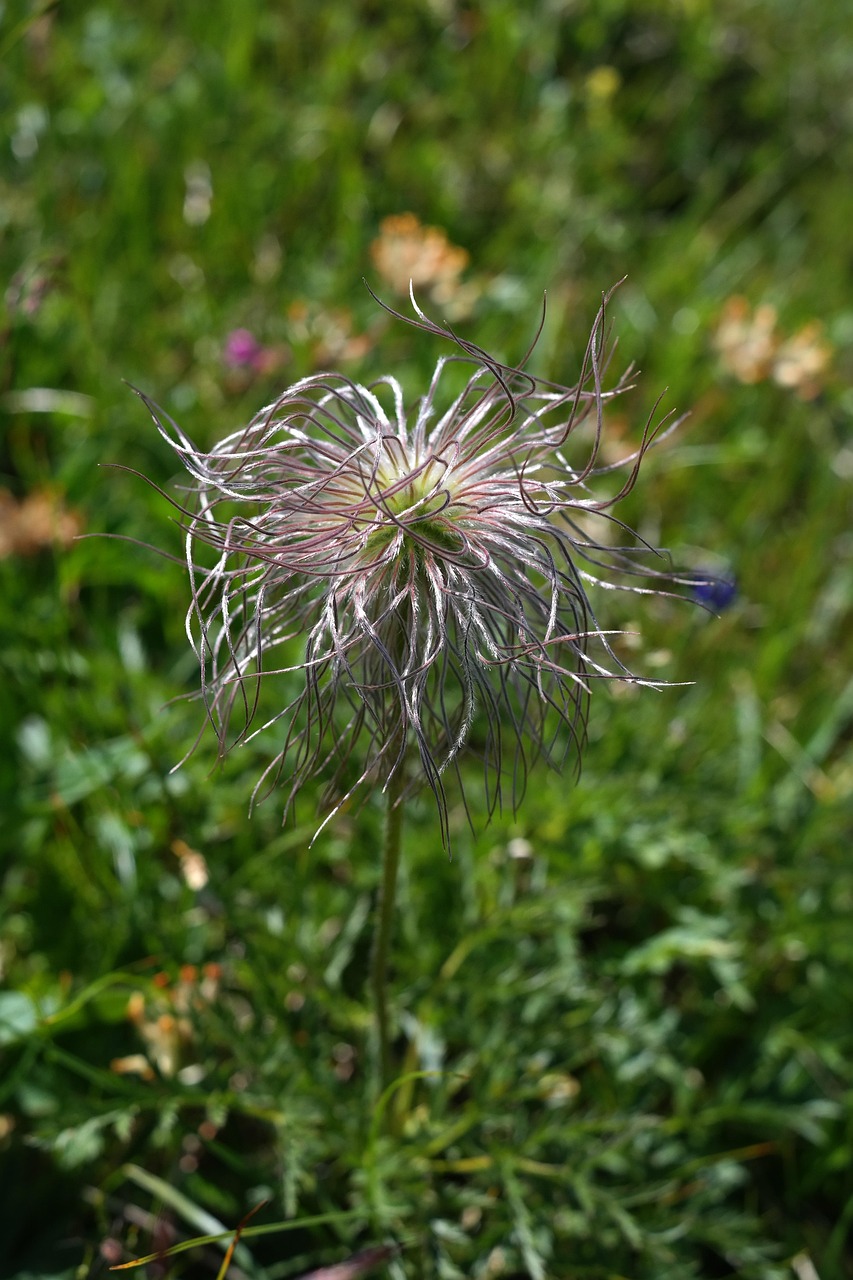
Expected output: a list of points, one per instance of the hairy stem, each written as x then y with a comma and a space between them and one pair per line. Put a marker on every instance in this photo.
384, 923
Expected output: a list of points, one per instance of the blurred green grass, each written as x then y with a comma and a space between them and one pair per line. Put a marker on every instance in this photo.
641, 1027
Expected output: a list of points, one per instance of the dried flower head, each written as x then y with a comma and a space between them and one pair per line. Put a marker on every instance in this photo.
415, 579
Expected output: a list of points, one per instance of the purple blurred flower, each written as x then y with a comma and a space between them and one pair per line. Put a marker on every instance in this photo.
242, 349
424, 571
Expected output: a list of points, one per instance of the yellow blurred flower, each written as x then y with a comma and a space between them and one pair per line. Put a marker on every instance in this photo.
193, 865
602, 84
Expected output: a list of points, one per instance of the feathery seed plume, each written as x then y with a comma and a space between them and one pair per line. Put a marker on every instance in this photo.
415, 578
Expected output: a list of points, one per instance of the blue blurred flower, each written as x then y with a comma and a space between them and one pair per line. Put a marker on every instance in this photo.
716, 592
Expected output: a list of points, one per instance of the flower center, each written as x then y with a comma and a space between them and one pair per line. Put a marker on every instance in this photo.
415, 500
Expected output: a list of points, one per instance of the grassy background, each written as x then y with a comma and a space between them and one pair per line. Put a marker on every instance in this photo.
640, 1032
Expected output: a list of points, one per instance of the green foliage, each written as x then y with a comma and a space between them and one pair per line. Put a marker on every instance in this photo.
623, 1013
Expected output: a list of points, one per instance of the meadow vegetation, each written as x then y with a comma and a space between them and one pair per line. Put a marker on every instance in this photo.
623, 1012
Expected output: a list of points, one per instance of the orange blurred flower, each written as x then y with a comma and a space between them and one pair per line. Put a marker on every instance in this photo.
328, 333
747, 343
165, 1018
802, 361
406, 252
752, 349
38, 520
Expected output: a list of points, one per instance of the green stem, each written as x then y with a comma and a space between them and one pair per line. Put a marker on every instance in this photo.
384, 923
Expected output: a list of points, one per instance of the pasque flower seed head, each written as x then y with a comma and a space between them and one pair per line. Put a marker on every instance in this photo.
416, 579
